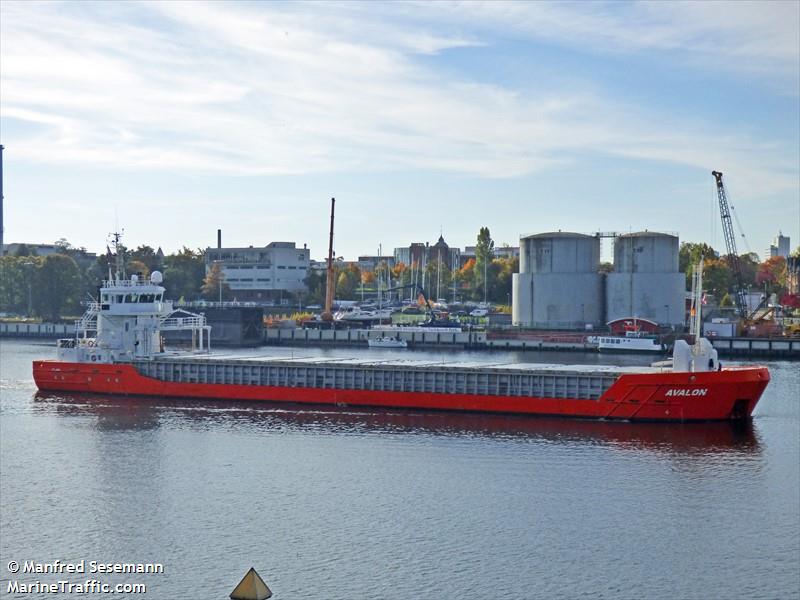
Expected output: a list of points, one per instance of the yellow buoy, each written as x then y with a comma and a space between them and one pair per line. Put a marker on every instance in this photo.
251, 587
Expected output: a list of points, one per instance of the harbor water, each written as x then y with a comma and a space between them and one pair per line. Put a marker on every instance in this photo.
357, 503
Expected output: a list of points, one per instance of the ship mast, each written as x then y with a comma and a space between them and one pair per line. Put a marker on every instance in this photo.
697, 301
119, 259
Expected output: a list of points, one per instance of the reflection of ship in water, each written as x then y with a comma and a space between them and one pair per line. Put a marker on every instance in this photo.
121, 413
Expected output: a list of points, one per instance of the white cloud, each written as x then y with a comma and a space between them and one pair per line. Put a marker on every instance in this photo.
315, 88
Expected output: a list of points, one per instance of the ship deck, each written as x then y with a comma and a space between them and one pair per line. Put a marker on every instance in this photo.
403, 364
391, 375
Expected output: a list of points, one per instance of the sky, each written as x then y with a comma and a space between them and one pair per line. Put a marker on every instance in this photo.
173, 119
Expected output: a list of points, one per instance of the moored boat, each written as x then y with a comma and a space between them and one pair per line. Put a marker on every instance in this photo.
386, 341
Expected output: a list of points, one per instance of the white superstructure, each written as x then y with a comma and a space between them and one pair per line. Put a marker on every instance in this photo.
127, 322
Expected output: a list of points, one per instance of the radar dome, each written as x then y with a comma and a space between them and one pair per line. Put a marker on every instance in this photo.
156, 277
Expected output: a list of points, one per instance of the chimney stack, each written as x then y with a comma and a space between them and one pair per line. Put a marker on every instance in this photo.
219, 238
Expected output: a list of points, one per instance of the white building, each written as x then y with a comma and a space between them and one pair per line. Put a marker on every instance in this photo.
780, 246
262, 273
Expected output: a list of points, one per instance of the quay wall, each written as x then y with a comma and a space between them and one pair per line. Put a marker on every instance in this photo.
777, 348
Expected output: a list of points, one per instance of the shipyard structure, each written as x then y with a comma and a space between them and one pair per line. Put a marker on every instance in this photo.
561, 285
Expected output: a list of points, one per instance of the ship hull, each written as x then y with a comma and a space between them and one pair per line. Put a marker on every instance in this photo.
718, 395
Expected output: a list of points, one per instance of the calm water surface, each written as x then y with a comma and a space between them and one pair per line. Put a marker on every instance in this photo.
365, 504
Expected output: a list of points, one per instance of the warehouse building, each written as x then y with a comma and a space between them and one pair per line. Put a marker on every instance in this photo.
261, 273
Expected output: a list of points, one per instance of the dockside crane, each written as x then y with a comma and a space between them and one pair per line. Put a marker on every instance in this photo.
730, 244
327, 314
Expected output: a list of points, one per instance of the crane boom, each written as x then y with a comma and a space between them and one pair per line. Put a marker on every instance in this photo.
730, 243
330, 287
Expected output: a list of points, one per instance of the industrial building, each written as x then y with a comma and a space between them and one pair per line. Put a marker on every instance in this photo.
560, 284
261, 273
646, 281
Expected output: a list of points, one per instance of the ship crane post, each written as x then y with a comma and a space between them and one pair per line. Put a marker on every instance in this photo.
730, 244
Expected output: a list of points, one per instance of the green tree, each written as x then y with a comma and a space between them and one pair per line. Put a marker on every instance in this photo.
348, 279
184, 272
717, 277
214, 284
749, 266
25, 250
689, 255
315, 283
137, 267
500, 291
145, 255
57, 287
16, 275
439, 279
484, 253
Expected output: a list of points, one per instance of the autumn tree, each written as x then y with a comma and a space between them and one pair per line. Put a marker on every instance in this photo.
347, 281
717, 277
145, 255
214, 285
690, 255
501, 289
773, 273
465, 276
137, 267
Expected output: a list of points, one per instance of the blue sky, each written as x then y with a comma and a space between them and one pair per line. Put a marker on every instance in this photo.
176, 119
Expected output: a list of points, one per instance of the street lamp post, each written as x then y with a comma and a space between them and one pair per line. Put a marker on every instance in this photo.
30, 264
219, 279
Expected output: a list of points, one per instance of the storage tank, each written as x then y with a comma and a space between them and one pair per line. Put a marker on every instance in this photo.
558, 286
646, 281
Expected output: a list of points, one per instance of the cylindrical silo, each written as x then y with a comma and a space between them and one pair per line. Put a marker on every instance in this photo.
646, 282
558, 285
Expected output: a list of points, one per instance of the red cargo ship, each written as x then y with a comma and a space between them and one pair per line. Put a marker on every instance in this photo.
118, 349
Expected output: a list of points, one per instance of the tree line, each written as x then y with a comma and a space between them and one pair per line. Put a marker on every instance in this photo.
770, 276
483, 277
59, 284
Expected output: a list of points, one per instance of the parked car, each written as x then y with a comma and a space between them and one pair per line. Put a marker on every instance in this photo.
479, 312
